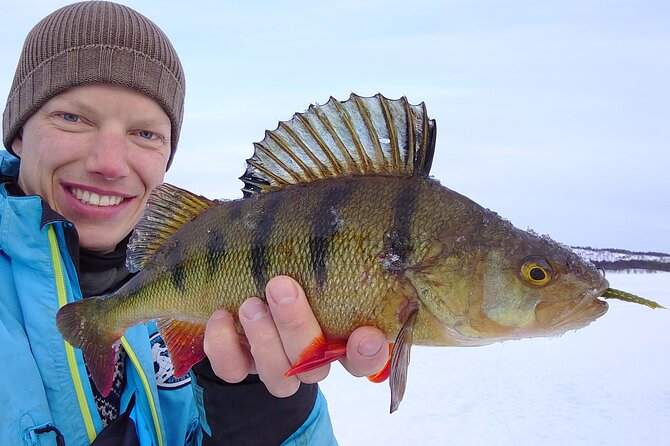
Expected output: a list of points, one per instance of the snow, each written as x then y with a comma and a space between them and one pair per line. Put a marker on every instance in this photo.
606, 384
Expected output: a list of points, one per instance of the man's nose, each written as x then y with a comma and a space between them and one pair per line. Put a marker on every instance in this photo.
109, 154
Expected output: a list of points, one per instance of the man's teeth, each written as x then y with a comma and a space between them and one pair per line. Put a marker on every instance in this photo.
96, 200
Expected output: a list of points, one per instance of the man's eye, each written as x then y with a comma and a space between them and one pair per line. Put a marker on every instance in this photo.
70, 117
147, 134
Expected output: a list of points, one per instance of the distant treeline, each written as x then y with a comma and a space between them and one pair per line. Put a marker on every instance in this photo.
626, 265
624, 251
623, 260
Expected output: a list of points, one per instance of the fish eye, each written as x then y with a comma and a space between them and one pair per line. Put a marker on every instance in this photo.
537, 274
536, 271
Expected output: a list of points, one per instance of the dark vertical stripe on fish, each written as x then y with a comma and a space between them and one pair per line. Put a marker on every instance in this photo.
327, 221
398, 245
176, 268
235, 211
216, 251
259, 252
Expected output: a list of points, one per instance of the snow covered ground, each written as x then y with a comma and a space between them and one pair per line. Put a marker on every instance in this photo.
607, 384
614, 255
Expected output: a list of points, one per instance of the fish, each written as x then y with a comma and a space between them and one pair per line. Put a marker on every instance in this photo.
340, 197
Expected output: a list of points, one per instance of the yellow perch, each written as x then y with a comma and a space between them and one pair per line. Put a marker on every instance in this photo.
340, 198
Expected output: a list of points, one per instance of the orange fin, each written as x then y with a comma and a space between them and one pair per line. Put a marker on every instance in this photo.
320, 352
184, 341
381, 375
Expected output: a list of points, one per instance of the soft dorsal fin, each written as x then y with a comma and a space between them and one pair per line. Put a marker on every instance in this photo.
168, 209
360, 136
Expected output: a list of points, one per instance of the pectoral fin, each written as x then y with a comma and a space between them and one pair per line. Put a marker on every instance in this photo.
400, 358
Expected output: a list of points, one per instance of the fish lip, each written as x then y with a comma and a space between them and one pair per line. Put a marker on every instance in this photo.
597, 292
588, 308
585, 308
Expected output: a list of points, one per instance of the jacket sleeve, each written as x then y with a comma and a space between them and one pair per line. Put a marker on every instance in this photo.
247, 414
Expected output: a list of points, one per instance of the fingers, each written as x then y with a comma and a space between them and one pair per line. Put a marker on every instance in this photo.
227, 354
266, 348
367, 352
278, 332
296, 324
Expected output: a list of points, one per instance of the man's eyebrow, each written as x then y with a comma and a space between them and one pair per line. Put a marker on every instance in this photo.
74, 103
152, 123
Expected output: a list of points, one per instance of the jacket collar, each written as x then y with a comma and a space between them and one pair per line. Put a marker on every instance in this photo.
9, 174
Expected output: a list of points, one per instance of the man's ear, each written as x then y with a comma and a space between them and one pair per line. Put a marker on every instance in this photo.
17, 144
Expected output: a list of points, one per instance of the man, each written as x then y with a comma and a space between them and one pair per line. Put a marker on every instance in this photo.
91, 124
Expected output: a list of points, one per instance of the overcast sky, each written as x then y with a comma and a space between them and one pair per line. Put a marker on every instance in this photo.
555, 114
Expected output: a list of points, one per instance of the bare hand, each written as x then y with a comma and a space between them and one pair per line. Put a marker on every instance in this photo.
276, 335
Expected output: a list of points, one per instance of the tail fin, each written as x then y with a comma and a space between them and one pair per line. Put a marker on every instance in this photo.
81, 326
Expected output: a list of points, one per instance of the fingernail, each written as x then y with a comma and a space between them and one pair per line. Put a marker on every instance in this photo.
283, 292
370, 346
254, 309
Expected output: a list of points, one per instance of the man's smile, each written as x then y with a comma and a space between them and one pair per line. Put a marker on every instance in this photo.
95, 199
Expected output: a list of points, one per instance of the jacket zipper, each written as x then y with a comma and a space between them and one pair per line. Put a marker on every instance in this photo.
72, 362
147, 387
69, 350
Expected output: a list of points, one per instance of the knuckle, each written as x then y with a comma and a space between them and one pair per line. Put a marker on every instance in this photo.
232, 374
295, 324
263, 340
231, 364
217, 341
285, 389
315, 376
210, 345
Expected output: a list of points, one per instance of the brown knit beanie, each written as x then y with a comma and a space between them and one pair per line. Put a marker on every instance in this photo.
89, 43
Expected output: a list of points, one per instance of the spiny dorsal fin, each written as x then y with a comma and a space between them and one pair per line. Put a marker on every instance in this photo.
167, 210
360, 136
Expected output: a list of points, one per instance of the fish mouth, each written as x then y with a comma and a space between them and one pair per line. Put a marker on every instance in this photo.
559, 317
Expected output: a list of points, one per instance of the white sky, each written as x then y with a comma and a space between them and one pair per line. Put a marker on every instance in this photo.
553, 114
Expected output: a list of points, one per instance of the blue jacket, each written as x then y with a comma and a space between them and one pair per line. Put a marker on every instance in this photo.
45, 383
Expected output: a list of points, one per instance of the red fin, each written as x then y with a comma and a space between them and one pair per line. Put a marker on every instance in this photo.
184, 341
101, 363
81, 326
381, 375
320, 352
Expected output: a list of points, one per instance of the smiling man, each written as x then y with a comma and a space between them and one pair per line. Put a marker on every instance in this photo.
91, 126
95, 153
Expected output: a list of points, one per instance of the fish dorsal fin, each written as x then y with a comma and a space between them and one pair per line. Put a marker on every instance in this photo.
168, 209
360, 136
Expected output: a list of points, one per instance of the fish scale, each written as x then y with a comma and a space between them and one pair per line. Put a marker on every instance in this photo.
286, 251
340, 198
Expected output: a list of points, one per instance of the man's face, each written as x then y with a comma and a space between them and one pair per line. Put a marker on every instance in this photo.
95, 153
